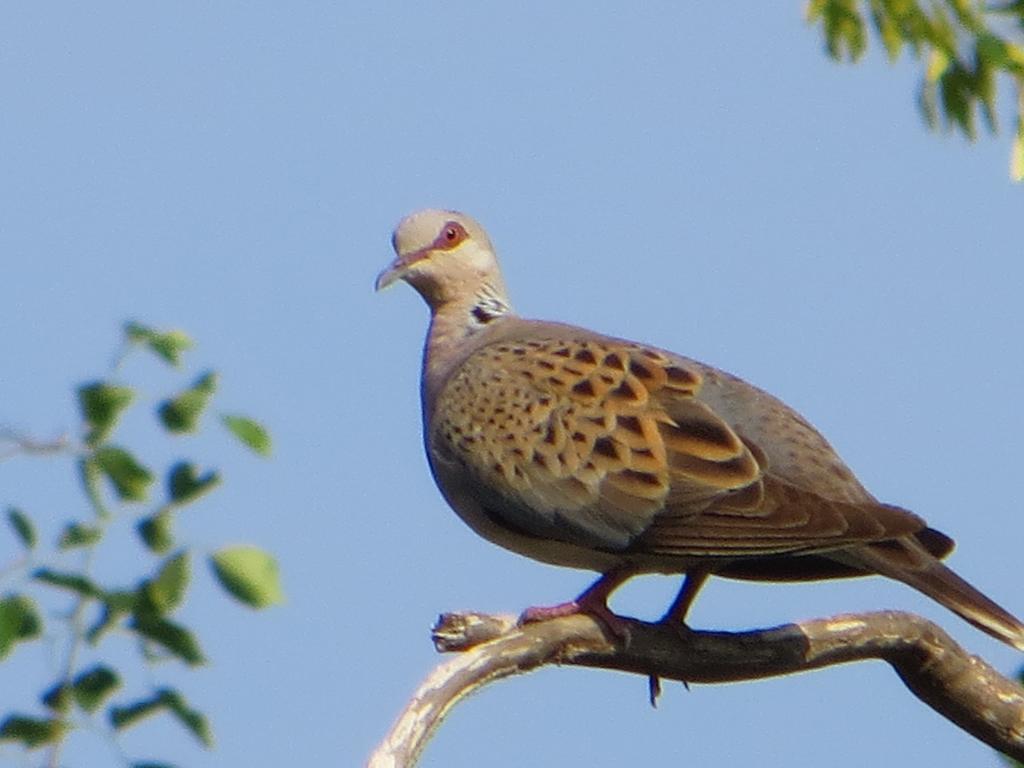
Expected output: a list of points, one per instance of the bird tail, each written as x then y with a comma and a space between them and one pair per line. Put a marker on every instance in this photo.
907, 561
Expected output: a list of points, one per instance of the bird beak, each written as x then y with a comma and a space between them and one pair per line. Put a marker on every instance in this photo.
393, 272
400, 268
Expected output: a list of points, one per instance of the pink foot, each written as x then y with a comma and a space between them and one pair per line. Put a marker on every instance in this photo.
593, 602
615, 624
544, 612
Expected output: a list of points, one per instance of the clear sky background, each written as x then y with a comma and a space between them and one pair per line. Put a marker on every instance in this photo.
696, 176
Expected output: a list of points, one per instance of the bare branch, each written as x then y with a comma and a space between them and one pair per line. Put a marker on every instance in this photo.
13, 443
961, 687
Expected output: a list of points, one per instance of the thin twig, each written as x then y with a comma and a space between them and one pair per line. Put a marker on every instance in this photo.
20, 444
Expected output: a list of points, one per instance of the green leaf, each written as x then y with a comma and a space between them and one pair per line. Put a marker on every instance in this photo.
116, 605
172, 637
126, 716
942, 31
927, 105
101, 405
955, 92
163, 699
181, 413
121, 601
993, 49
155, 531
71, 581
94, 685
105, 621
185, 485
984, 88
1011, 7
90, 473
168, 345
58, 698
843, 27
1015, 57
78, 535
249, 574
192, 719
32, 731
887, 28
131, 480
89, 689
250, 432
938, 63
19, 621
22, 526
166, 590
1001, 53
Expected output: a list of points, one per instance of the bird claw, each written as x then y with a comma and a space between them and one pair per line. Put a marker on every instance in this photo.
653, 690
538, 613
615, 625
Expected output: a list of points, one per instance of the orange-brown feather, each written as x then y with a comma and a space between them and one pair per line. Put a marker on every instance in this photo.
613, 434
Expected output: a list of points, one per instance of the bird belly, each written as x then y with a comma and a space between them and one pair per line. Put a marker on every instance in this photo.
473, 510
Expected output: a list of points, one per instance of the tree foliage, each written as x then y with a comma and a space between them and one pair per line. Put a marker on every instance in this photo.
965, 47
120, 489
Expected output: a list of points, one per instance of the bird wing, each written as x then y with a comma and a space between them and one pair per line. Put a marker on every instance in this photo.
607, 444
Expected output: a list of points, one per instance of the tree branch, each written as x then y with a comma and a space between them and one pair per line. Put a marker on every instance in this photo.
22, 444
961, 687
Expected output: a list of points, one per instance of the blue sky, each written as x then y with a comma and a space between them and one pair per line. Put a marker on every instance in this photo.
685, 175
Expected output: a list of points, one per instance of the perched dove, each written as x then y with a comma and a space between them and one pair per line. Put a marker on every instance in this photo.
592, 452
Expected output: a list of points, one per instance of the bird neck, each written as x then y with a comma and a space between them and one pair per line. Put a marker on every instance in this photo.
456, 327
465, 314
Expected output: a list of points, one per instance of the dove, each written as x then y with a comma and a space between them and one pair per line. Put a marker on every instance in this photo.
594, 452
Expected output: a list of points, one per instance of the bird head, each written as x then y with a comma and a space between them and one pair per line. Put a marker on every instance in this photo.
446, 256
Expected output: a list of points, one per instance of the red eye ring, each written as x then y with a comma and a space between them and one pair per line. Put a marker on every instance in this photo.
452, 234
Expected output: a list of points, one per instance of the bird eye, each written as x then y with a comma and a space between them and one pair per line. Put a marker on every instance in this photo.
452, 234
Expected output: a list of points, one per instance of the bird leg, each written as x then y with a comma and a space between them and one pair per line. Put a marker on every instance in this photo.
692, 582
593, 601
